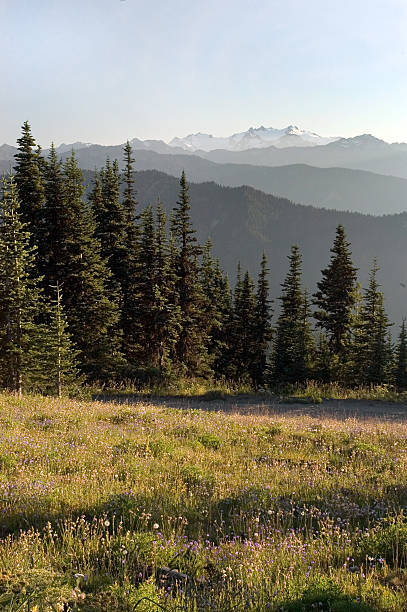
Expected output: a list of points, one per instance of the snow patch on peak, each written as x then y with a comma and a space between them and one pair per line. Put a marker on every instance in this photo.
254, 137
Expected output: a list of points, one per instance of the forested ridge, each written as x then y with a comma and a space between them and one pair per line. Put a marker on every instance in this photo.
96, 288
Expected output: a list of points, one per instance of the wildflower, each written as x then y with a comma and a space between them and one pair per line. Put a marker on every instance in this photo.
107, 523
156, 526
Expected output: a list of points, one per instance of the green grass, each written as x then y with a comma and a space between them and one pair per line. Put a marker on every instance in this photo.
259, 513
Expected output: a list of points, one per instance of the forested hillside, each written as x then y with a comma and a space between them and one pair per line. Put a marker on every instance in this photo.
101, 284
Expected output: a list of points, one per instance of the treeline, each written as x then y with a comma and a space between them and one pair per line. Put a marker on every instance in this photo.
98, 290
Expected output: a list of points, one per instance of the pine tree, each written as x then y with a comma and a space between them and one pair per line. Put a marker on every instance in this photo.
217, 305
19, 291
129, 285
29, 167
54, 249
335, 295
376, 359
92, 316
145, 302
191, 347
167, 313
52, 358
291, 350
262, 327
401, 358
109, 217
244, 322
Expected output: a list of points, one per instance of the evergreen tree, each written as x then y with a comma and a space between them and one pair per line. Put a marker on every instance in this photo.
291, 350
53, 366
217, 306
335, 295
92, 316
244, 322
191, 348
401, 358
54, 231
110, 227
262, 327
376, 359
19, 292
29, 166
167, 313
129, 284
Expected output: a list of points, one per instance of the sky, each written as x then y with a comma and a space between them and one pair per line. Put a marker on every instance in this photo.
105, 71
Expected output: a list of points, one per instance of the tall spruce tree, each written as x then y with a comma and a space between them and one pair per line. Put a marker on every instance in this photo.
129, 285
29, 167
216, 305
335, 296
19, 291
261, 327
92, 316
54, 218
244, 313
191, 348
110, 227
400, 374
53, 367
375, 358
291, 349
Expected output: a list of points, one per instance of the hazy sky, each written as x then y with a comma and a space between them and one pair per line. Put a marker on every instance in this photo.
107, 70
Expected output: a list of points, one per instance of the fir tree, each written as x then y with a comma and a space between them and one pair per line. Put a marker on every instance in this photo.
54, 248
92, 316
291, 350
29, 166
217, 305
129, 283
335, 295
53, 366
109, 216
191, 347
244, 322
262, 327
400, 374
376, 358
19, 292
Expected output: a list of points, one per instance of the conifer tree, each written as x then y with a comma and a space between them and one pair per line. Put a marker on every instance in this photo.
53, 367
144, 307
54, 218
217, 305
400, 374
109, 217
376, 359
29, 166
191, 348
92, 316
244, 322
167, 314
291, 350
129, 285
19, 291
262, 327
335, 296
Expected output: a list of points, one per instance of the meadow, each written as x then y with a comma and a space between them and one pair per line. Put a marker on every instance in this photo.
145, 506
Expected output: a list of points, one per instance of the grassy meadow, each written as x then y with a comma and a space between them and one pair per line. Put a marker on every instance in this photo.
283, 512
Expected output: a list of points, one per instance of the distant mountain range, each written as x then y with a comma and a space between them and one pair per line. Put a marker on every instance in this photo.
361, 174
253, 138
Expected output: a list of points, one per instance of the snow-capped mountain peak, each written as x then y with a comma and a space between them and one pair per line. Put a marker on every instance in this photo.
254, 137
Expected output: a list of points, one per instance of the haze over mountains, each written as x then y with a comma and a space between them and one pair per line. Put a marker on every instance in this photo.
360, 174
242, 207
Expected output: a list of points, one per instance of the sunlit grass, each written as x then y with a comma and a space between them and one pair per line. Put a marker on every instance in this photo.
257, 512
